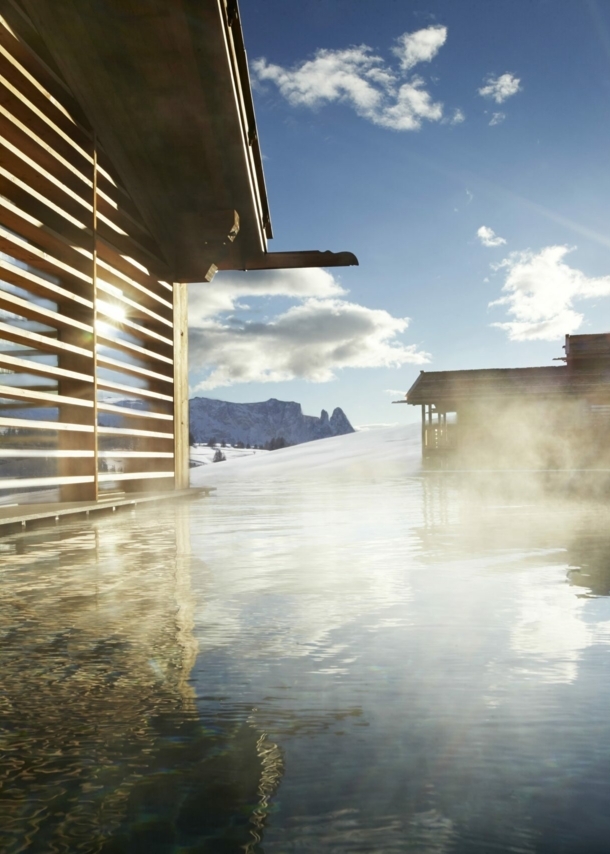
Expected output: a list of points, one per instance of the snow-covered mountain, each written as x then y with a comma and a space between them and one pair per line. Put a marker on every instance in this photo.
260, 423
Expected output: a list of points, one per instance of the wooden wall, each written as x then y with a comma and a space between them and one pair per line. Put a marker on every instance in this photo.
92, 331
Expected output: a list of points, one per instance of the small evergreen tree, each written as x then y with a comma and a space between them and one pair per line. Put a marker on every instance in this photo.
219, 457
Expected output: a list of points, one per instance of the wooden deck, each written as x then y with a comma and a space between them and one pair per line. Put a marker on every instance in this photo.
15, 517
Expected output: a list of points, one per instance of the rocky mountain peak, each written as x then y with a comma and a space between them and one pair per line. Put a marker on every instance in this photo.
260, 423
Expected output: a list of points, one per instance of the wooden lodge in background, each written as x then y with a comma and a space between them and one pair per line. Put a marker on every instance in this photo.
555, 417
129, 166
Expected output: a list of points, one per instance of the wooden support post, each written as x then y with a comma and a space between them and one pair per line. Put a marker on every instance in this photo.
181, 396
81, 415
423, 430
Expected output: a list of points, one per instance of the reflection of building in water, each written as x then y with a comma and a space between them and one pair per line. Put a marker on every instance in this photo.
526, 418
589, 558
102, 745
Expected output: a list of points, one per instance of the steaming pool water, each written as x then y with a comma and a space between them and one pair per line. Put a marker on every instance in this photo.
384, 663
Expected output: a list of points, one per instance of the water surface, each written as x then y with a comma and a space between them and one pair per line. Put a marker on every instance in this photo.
380, 663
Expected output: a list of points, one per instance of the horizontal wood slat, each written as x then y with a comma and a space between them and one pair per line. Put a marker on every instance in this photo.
108, 385
34, 424
28, 454
39, 149
134, 349
42, 397
31, 311
28, 366
136, 475
64, 247
126, 432
42, 342
121, 280
17, 154
25, 251
36, 111
133, 370
136, 455
136, 328
133, 413
138, 310
15, 42
14, 275
42, 482
12, 184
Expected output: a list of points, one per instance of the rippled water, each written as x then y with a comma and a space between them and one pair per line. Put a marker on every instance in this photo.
383, 664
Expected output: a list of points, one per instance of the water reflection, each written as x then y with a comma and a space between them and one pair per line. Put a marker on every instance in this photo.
102, 747
389, 664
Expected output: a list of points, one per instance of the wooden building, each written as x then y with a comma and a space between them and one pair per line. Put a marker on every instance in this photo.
548, 417
129, 166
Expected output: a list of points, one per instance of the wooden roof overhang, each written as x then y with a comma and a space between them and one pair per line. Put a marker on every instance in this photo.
447, 390
165, 84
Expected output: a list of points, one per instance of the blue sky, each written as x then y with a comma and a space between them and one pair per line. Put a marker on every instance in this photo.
398, 131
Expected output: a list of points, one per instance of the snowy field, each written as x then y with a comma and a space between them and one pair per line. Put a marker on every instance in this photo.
355, 453
202, 455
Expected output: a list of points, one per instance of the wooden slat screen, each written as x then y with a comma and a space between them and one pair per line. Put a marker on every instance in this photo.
86, 314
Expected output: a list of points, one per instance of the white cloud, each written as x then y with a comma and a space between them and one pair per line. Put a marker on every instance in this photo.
488, 237
394, 391
421, 46
311, 341
412, 105
356, 76
540, 290
207, 300
458, 117
500, 88
497, 119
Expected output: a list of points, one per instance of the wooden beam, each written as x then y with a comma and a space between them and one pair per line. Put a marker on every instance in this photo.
181, 403
287, 260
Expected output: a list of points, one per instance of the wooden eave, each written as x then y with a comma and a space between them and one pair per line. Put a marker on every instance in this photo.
165, 85
447, 389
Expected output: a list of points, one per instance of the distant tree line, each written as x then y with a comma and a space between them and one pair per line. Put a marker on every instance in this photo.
272, 445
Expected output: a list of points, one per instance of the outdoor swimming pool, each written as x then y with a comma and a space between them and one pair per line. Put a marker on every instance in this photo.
335, 664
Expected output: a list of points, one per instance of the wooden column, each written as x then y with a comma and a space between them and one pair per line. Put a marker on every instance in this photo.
181, 390
423, 430
81, 389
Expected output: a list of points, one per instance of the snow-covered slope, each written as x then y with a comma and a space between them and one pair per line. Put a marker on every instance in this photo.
259, 423
378, 452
